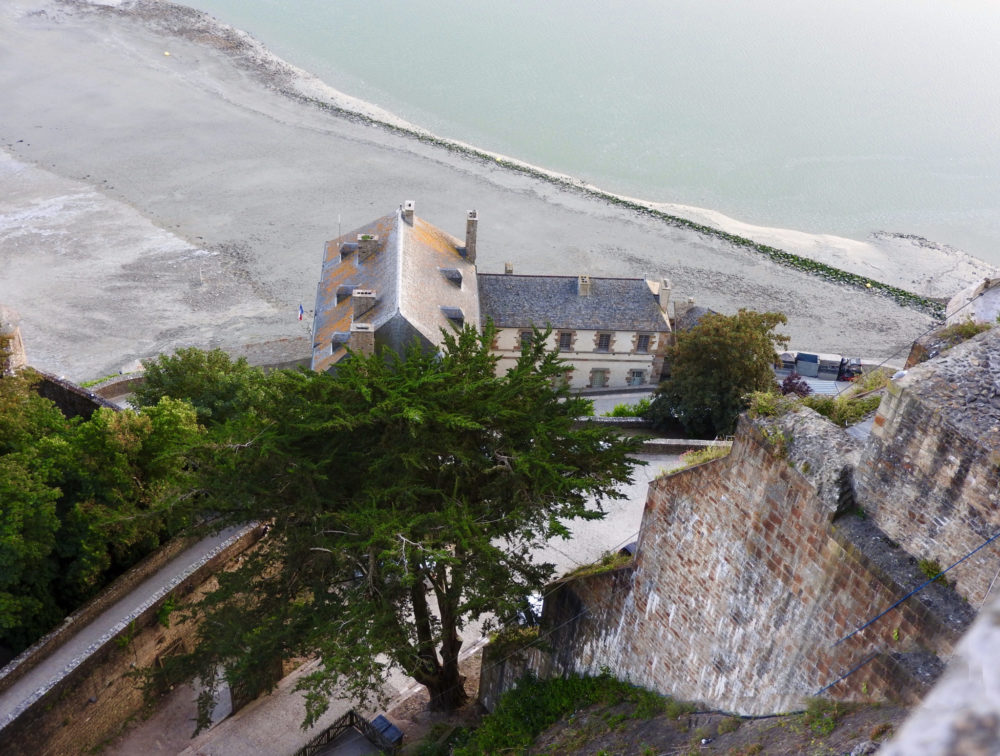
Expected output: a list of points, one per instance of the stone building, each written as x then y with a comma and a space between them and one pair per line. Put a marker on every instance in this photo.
611, 331
393, 280
400, 278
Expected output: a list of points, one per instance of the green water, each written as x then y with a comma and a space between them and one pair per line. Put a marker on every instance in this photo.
844, 118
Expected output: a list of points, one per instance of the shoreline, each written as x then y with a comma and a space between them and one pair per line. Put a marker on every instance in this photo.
863, 264
152, 201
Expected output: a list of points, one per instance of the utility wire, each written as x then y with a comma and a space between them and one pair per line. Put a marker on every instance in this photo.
918, 589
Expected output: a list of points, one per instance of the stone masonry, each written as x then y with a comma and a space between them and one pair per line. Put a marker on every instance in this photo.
930, 473
749, 570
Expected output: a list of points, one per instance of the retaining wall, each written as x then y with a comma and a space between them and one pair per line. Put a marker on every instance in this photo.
930, 474
748, 573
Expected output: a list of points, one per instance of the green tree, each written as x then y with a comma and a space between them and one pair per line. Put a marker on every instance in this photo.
219, 387
405, 497
80, 501
714, 367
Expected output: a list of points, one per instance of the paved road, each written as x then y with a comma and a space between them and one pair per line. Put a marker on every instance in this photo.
101, 629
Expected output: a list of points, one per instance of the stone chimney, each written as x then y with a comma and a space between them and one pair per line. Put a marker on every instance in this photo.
12, 355
471, 224
363, 300
367, 246
583, 286
408, 207
362, 339
681, 309
508, 268
663, 296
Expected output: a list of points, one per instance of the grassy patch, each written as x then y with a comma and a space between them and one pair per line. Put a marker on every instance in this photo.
822, 715
606, 563
533, 705
698, 456
959, 332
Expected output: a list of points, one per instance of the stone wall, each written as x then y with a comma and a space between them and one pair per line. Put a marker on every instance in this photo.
96, 699
930, 473
748, 573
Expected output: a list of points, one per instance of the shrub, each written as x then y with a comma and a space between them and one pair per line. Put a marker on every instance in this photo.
639, 409
795, 384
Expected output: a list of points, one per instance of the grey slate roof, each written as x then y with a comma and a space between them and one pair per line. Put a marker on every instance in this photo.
614, 304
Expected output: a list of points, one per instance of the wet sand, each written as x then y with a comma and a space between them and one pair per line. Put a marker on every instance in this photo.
150, 201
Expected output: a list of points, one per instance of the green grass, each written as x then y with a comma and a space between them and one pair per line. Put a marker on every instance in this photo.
606, 563
699, 456
534, 705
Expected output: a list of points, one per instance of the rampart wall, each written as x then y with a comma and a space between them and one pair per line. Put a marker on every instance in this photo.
749, 570
930, 473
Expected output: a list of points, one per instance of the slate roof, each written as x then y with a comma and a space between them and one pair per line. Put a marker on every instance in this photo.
416, 271
614, 304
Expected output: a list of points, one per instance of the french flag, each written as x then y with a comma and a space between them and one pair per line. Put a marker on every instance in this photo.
301, 312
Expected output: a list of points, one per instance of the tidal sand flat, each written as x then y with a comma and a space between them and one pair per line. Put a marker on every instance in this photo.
168, 182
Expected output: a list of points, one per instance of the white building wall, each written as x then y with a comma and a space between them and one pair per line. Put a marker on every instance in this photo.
583, 356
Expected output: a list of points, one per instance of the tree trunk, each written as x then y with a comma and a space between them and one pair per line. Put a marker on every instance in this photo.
447, 689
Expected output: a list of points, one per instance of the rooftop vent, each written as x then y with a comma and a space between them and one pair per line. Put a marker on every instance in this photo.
455, 315
454, 275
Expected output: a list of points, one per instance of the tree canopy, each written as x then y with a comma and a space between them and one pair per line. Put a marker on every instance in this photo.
714, 366
405, 498
79, 500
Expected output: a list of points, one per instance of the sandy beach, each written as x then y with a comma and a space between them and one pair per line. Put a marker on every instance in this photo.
164, 181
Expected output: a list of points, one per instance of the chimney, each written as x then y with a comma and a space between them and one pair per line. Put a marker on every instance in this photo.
363, 300
583, 286
508, 269
681, 309
663, 296
408, 208
367, 246
362, 339
12, 354
471, 224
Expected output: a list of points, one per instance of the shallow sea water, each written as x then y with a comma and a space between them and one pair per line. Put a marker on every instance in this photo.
843, 118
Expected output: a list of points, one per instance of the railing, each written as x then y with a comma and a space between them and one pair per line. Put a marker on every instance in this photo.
350, 720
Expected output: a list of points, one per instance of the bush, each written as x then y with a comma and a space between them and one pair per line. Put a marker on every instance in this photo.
639, 409
795, 384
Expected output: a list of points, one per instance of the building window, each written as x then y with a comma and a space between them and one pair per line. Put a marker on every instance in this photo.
565, 341
526, 337
599, 377
642, 343
603, 343
636, 377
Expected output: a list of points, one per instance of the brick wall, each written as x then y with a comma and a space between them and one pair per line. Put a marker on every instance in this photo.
747, 574
930, 474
